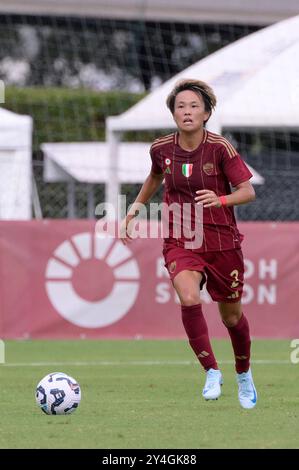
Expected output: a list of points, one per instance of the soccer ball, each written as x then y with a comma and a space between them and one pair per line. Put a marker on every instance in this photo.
58, 394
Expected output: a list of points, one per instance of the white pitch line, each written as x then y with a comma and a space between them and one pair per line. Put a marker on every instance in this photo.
134, 363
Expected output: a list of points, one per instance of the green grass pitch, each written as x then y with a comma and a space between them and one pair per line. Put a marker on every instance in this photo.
147, 394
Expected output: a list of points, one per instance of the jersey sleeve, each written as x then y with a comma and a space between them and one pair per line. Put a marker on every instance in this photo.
234, 166
156, 161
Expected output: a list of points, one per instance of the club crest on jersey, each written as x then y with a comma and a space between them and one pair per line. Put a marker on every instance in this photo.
187, 169
208, 168
167, 162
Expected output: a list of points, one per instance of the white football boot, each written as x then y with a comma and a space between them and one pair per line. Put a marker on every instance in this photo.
247, 392
212, 388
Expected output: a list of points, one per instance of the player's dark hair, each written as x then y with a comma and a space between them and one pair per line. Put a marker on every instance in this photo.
199, 87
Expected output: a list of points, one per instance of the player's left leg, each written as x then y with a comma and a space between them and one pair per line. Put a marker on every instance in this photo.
238, 329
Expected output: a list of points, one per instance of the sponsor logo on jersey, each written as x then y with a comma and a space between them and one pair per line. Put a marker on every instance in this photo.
167, 170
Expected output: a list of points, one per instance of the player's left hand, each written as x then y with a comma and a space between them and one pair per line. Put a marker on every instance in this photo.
207, 198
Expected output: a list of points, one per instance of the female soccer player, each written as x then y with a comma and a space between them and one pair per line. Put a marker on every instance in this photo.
199, 168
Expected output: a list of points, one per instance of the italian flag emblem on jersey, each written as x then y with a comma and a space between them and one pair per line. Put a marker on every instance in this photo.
187, 169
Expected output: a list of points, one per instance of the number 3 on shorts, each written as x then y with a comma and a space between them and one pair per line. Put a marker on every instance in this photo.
235, 274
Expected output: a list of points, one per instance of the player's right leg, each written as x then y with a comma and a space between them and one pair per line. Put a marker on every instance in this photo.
186, 284
212, 388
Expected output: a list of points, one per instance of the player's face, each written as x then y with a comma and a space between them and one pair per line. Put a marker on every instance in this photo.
189, 111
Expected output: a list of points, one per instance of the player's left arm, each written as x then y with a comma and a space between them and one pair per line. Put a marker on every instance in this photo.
244, 193
238, 174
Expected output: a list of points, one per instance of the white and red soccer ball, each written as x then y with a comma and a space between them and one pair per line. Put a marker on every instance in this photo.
58, 394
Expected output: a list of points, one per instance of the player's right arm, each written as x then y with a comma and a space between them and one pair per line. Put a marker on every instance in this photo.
149, 187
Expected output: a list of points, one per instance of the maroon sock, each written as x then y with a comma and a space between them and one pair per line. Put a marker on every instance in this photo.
240, 338
197, 332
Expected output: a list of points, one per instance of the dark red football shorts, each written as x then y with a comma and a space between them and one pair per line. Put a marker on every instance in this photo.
223, 271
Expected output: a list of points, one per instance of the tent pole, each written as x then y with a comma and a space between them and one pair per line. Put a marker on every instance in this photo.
71, 199
37, 209
112, 185
90, 201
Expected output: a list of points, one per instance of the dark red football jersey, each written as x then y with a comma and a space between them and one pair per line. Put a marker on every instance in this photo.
214, 165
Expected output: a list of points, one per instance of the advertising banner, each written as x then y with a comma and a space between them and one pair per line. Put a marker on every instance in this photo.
61, 280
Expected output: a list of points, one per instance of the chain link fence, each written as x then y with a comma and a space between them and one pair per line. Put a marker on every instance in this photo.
69, 74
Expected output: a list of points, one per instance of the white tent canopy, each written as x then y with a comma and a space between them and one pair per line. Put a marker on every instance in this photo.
15, 165
88, 162
248, 76
255, 80
15, 130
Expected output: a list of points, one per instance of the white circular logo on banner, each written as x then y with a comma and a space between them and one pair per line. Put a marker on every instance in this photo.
92, 281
